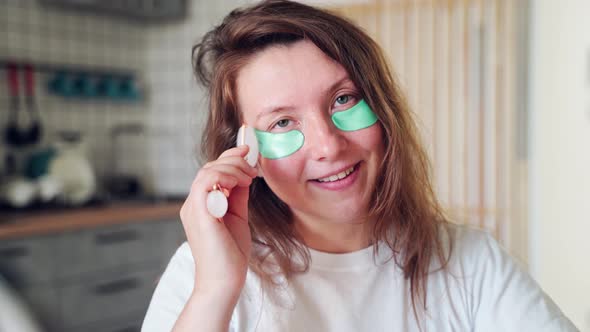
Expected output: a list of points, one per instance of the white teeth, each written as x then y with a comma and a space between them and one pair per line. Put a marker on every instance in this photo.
338, 176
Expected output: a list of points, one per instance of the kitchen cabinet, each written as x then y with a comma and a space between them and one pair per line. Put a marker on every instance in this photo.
28, 261
91, 279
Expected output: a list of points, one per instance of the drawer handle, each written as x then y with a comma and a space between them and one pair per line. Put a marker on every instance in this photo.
14, 252
118, 286
116, 237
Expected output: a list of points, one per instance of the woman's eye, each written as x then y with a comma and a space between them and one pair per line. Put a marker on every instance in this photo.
282, 123
343, 99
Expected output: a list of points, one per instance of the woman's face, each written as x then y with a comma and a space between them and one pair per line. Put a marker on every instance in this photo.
297, 87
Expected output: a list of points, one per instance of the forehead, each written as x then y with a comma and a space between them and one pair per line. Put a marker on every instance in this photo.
285, 75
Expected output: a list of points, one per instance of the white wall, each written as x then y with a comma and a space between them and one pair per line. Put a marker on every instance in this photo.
560, 153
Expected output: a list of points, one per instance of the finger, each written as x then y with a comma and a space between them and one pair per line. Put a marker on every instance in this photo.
244, 179
241, 151
194, 209
198, 224
237, 161
206, 179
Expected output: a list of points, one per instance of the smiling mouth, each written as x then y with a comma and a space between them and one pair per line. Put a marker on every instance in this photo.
337, 177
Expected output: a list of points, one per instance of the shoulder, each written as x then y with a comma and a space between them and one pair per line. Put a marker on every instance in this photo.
470, 246
500, 293
183, 256
181, 267
468, 238
480, 261
172, 292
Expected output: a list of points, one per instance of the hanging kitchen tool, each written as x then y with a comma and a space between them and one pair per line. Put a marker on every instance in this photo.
16, 134
35, 131
12, 132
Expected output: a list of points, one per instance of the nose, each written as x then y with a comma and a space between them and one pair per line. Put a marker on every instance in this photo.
323, 140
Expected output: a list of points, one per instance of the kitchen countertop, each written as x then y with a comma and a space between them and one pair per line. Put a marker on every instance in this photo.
54, 221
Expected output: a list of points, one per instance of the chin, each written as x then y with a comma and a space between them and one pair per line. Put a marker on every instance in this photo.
347, 215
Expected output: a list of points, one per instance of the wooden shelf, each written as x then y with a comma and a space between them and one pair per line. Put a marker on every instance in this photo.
39, 224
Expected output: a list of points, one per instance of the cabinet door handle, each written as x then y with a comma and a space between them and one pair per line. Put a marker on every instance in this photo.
117, 286
14, 252
116, 237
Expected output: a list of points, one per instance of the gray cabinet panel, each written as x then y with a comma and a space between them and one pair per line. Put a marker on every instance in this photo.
44, 302
171, 236
130, 323
27, 261
106, 298
92, 250
96, 279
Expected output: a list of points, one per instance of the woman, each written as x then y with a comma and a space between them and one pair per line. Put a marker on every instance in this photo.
336, 228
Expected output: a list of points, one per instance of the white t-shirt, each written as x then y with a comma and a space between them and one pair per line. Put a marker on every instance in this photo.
14, 313
483, 289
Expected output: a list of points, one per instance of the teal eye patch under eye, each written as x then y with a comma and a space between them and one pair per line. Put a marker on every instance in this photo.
358, 117
279, 145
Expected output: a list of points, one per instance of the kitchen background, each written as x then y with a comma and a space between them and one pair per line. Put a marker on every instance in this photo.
157, 54
88, 215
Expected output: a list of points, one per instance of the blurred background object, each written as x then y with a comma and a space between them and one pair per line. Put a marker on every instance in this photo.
461, 63
71, 169
501, 91
139, 10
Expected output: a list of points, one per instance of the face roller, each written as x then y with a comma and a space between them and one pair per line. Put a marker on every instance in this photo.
217, 198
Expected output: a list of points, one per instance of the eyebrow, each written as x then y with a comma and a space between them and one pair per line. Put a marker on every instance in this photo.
279, 109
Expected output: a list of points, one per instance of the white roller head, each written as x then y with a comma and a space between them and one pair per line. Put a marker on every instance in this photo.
217, 204
246, 135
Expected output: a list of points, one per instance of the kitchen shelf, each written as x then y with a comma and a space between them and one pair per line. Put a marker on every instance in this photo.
111, 214
69, 68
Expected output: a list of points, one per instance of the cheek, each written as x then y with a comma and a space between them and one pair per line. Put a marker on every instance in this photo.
369, 138
282, 170
376, 137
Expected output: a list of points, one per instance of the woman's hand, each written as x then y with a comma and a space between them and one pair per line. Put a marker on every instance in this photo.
220, 248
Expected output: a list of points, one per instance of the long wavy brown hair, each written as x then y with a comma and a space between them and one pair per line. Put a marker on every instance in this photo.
407, 214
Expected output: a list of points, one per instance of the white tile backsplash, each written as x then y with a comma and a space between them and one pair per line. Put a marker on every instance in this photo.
159, 54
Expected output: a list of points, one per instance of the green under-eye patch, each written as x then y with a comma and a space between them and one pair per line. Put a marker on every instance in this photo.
279, 145
358, 117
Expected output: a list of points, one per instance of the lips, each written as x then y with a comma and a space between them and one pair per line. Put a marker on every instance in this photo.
338, 175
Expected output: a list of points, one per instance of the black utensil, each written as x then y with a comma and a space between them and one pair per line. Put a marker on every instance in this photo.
35, 130
12, 132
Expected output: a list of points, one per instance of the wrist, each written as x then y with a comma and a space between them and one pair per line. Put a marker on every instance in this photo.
207, 310
219, 296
